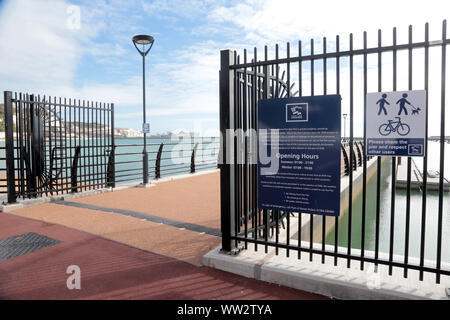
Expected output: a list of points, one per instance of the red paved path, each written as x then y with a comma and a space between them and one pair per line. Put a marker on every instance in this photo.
110, 270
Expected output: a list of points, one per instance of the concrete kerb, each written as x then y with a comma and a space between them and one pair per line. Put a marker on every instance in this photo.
326, 279
22, 203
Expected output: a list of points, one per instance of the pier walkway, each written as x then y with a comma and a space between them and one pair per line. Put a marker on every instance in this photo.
134, 243
417, 177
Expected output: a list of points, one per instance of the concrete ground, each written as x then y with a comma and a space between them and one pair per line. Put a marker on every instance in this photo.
136, 243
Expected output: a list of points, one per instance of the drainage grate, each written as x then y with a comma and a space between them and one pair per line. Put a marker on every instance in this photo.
20, 245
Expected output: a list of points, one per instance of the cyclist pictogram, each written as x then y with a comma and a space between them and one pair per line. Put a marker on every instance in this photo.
394, 126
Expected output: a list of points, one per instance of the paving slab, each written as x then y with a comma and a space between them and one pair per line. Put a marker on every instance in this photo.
110, 270
166, 240
193, 199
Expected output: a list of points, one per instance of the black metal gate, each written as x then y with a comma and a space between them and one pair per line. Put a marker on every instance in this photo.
244, 81
55, 145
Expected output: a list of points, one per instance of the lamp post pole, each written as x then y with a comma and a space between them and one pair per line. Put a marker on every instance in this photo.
144, 152
144, 40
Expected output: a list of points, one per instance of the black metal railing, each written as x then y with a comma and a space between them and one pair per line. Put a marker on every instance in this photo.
166, 157
244, 81
55, 146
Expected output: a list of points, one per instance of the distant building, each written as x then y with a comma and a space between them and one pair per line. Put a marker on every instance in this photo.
127, 133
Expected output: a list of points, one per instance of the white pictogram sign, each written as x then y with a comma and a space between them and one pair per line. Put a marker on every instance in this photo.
395, 123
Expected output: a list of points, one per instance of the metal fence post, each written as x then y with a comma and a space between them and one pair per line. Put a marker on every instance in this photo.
158, 162
74, 170
360, 160
226, 94
346, 161
9, 144
194, 151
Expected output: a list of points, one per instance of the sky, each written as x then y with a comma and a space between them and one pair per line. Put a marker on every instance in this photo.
82, 49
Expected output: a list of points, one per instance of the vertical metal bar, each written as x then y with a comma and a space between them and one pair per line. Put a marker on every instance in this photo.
51, 136
300, 70
88, 125
61, 151
113, 146
109, 144
70, 129
425, 160
35, 160
83, 136
338, 91
364, 190
9, 144
98, 143
266, 92
100, 124
17, 152
48, 116
408, 179
105, 141
226, 115
103, 144
311, 217
442, 153
300, 84
90, 105
65, 178
237, 154
254, 114
378, 200
288, 83
277, 73
20, 136
30, 183
76, 130
276, 95
245, 172
73, 124
352, 155
324, 218
95, 144
394, 168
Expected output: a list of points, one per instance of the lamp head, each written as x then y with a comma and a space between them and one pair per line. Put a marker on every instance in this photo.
143, 40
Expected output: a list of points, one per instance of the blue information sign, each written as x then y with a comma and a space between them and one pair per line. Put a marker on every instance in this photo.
299, 156
146, 127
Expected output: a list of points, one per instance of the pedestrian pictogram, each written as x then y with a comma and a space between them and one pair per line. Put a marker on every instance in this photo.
381, 103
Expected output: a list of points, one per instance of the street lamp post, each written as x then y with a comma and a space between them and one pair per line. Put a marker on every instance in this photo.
144, 41
345, 123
